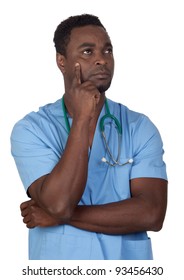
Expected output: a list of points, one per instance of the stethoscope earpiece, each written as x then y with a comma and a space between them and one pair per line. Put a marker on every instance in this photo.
116, 162
103, 159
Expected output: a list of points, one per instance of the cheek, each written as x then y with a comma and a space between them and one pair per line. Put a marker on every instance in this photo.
70, 70
85, 72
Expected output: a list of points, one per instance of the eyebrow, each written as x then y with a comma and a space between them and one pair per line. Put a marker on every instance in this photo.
86, 44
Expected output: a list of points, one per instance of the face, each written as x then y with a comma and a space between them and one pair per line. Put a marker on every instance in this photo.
91, 47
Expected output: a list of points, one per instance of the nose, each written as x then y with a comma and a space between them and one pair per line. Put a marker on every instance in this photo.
100, 59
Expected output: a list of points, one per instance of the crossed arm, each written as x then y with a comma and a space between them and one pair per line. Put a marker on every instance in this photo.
145, 210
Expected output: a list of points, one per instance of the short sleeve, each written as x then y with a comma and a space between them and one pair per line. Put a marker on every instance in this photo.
147, 151
34, 157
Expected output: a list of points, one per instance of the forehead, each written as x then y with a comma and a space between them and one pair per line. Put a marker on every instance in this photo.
89, 34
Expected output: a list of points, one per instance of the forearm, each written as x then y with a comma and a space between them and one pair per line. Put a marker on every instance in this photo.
62, 189
122, 217
144, 211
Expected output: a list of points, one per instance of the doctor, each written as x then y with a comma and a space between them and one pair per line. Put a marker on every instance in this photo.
88, 202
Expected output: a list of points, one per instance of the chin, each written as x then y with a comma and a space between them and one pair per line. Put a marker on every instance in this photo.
103, 88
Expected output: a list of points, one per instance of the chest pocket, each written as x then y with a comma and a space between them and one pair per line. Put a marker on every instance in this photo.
107, 184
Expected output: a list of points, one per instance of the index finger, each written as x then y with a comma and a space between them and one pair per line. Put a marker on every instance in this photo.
78, 73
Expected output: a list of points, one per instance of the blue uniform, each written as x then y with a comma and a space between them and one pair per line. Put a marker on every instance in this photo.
38, 142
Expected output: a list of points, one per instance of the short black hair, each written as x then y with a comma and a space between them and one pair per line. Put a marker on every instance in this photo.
63, 30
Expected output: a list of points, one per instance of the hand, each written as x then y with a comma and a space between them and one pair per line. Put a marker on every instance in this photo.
34, 216
82, 98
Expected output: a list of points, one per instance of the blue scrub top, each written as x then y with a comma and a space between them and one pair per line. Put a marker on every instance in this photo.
38, 142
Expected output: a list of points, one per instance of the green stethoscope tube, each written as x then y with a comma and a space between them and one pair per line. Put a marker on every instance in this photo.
65, 115
113, 162
106, 116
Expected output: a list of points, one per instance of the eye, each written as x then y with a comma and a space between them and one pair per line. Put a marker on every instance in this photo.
87, 51
108, 51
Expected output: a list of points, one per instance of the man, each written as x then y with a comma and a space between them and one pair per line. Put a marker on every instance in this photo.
91, 197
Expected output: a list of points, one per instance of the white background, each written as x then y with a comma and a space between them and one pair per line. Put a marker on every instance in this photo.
148, 39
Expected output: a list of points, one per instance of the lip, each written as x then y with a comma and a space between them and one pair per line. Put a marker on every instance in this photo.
101, 75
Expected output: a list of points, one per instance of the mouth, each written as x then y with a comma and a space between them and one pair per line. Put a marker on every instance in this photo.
101, 75
102, 80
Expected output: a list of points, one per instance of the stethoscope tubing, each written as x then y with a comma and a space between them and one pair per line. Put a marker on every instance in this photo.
113, 162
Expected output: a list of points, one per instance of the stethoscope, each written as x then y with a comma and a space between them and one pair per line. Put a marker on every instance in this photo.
108, 115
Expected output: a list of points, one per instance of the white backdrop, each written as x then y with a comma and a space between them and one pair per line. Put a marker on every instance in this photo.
148, 39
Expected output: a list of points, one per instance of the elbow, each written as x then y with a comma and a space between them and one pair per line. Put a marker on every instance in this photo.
157, 226
156, 221
63, 213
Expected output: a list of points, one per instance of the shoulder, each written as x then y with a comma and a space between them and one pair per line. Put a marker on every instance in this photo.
139, 128
132, 118
36, 120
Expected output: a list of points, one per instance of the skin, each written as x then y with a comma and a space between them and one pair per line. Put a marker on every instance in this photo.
87, 70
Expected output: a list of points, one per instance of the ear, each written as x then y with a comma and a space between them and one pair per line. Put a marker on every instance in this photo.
60, 60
